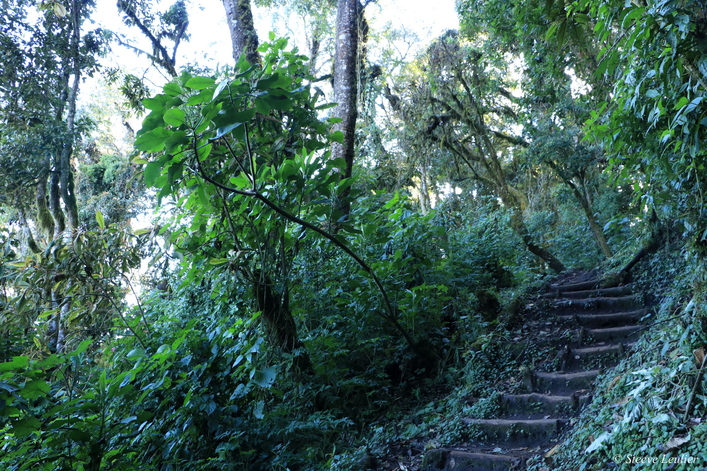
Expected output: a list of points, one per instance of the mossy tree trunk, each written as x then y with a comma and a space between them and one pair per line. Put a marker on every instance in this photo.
244, 38
579, 192
279, 324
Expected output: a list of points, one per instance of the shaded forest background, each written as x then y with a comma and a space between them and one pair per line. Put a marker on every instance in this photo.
304, 257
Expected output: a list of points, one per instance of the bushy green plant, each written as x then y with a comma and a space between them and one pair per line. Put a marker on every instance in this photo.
187, 403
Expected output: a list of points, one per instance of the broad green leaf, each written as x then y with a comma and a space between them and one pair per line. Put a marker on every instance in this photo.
15, 363
220, 88
144, 416
338, 163
222, 131
343, 184
199, 98
265, 83
78, 435
262, 106
151, 121
24, 427
157, 103
265, 377
233, 116
200, 83
187, 398
258, 410
278, 103
135, 353
630, 16
325, 106
239, 182
174, 102
218, 261
100, 220
204, 151
287, 169
83, 346
174, 117
212, 110
151, 172
177, 138
35, 389
681, 102
152, 141
337, 136
172, 89
174, 172
276, 80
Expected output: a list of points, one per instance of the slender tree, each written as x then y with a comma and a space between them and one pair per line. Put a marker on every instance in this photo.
346, 63
350, 35
45, 62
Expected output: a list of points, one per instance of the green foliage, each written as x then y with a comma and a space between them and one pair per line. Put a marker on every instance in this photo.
89, 270
222, 144
187, 403
654, 123
111, 186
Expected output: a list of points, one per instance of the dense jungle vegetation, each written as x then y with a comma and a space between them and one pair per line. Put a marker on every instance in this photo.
304, 258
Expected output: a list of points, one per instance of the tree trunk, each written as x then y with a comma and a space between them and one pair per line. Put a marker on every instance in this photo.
521, 229
512, 198
65, 183
425, 204
346, 83
27, 231
44, 215
280, 326
244, 38
55, 204
596, 230
588, 211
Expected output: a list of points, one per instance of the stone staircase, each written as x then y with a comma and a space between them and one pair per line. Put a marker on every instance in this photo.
592, 329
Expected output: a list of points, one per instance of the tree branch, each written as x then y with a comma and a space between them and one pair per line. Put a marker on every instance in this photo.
165, 60
390, 316
517, 141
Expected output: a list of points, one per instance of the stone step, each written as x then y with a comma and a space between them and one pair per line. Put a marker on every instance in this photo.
592, 293
520, 432
600, 350
598, 356
441, 459
535, 405
564, 382
581, 286
615, 319
608, 334
598, 305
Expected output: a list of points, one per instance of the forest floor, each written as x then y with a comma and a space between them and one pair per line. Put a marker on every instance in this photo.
571, 332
